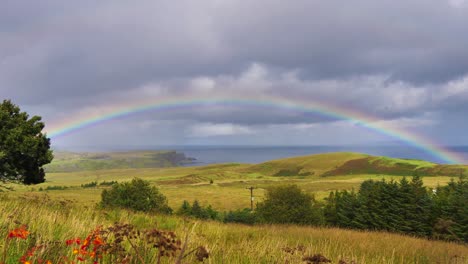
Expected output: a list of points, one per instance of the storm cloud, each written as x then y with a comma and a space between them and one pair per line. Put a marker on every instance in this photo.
404, 62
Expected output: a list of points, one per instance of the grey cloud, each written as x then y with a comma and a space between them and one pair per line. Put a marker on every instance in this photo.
390, 59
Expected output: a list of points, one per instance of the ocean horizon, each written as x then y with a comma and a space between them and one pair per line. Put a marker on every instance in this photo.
213, 154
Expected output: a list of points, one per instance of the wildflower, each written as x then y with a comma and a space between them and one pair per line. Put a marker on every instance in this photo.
20, 232
73, 241
98, 241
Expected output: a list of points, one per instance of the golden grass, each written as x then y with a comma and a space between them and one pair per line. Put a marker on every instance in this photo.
50, 220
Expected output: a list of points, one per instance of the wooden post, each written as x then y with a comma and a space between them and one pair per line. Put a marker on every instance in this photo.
251, 188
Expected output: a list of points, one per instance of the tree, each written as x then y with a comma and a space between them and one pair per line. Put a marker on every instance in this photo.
185, 209
288, 204
136, 195
24, 149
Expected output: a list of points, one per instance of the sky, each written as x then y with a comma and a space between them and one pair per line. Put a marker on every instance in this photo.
403, 62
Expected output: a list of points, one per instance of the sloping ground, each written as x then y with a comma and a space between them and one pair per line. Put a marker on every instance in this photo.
389, 166
344, 163
71, 161
317, 164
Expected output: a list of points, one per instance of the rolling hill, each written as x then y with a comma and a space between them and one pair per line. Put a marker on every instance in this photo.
348, 163
88, 161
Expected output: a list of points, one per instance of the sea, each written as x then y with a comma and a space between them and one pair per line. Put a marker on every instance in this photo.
204, 155
256, 154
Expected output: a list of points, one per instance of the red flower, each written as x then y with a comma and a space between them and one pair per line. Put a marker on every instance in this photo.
20, 232
73, 241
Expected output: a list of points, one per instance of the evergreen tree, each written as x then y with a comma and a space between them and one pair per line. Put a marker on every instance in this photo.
185, 209
419, 217
346, 208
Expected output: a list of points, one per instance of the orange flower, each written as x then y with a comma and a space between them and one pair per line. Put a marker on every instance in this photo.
98, 241
73, 241
20, 232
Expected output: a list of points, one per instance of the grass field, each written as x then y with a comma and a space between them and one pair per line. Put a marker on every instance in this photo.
70, 212
55, 221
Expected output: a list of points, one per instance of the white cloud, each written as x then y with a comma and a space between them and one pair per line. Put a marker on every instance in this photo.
457, 3
225, 129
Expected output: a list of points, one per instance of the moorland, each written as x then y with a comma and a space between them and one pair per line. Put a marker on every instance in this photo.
65, 207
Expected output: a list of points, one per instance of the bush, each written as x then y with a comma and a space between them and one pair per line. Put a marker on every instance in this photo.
136, 195
197, 211
245, 216
288, 204
89, 185
106, 183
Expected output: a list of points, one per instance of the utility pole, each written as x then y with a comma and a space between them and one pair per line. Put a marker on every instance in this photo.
251, 188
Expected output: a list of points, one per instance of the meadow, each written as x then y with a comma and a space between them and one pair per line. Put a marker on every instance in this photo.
54, 221
61, 209
224, 185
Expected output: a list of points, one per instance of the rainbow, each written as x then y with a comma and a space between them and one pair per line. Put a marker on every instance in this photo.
82, 121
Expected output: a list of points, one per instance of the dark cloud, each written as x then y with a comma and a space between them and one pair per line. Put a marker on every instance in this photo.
396, 60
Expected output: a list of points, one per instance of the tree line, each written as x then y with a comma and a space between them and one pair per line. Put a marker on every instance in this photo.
406, 207
403, 207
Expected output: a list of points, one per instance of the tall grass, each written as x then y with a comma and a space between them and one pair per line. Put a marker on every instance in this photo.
56, 221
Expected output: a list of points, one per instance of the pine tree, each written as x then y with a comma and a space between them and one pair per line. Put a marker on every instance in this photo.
185, 209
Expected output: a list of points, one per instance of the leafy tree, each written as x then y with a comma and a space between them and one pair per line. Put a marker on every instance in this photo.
288, 204
136, 195
23, 147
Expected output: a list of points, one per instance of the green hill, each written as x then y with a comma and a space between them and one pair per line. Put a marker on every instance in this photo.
347, 163
89, 161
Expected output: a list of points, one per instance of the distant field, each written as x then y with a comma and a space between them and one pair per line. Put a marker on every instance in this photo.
317, 174
85, 161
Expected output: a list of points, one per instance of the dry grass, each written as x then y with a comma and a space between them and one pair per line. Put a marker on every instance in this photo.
50, 220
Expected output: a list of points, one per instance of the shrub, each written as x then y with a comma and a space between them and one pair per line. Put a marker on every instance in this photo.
89, 185
197, 211
288, 204
136, 195
107, 183
245, 216
54, 188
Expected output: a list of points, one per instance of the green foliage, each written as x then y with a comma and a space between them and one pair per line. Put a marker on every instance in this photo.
244, 216
451, 211
107, 183
136, 195
23, 147
197, 211
288, 204
405, 207
89, 185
